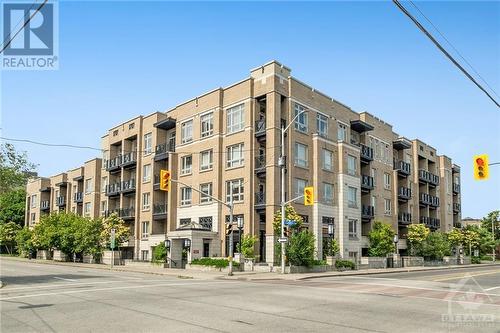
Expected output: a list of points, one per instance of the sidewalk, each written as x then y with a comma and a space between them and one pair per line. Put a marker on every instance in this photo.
241, 276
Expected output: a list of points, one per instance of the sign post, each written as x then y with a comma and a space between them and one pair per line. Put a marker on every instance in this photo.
112, 245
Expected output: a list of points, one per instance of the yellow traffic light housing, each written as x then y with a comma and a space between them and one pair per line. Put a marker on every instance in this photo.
165, 180
481, 171
309, 196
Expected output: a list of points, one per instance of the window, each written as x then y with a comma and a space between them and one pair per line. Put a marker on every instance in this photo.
186, 196
351, 165
206, 188
206, 222
146, 172
300, 184
33, 201
103, 207
235, 119
187, 131
237, 186
353, 228
235, 155
301, 120
206, 160
374, 203
145, 232
374, 176
148, 144
387, 206
87, 208
131, 126
186, 165
146, 201
355, 138
341, 132
322, 124
88, 186
207, 124
387, 181
301, 155
328, 193
144, 255
104, 182
352, 197
327, 160
185, 221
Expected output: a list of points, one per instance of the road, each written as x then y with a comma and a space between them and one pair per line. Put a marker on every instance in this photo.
51, 298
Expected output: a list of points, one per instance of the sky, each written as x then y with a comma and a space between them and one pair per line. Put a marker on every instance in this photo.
119, 59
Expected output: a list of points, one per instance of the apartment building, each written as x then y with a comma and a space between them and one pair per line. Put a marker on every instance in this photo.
72, 191
226, 143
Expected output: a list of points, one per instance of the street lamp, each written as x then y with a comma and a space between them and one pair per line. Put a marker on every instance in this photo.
330, 234
493, 233
187, 243
240, 227
282, 165
396, 240
167, 247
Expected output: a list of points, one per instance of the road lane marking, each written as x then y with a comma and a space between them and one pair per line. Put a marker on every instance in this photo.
7, 289
60, 278
465, 275
492, 288
106, 289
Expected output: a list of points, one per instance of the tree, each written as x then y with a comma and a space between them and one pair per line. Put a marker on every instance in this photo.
46, 233
330, 247
15, 169
486, 242
381, 240
159, 253
492, 218
456, 238
8, 232
12, 206
24, 241
87, 233
290, 214
300, 249
417, 234
247, 246
122, 232
471, 237
436, 246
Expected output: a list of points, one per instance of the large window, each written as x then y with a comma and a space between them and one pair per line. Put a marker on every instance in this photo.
148, 144
146, 172
186, 165
146, 201
145, 234
88, 186
328, 193
387, 181
352, 197
33, 201
207, 192
327, 160
322, 124
186, 196
301, 155
235, 155
206, 160
300, 184
387, 206
235, 118
301, 120
104, 182
342, 132
187, 131
237, 187
353, 228
207, 124
351, 165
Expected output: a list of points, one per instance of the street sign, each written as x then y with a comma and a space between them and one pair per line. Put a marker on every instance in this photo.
289, 222
112, 240
282, 240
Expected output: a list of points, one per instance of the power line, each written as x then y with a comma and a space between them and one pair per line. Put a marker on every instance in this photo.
454, 48
403, 9
6, 44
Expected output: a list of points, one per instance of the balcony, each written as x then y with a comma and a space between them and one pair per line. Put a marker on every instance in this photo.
403, 168
162, 150
456, 208
367, 212
425, 199
430, 222
260, 200
260, 165
425, 176
404, 218
61, 201
434, 201
129, 160
127, 213
128, 186
366, 183
260, 129
45, 205
113, 189
156, 182
159, 211
78, 197
456, 188
108, 213
433, 179
404, 193
366, 153
113, 164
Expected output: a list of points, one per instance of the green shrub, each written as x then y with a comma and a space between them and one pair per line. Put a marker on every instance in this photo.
344, 264
300, 249
475, 260
159, 253
319, 262
219, 263
487, 258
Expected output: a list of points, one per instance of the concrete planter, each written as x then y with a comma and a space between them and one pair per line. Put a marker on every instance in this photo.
202, 268
107, 255
373, 262
43, 254
330, 260
90, 259
60, 256
304, 269
248, 264
412, 261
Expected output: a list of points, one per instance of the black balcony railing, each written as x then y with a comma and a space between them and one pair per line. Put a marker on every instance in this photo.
402, 167
366, 182
431, 222
434, 201
428, 177
45, 205
128, 186
127, 213
404, 218
159, 209
260, 128
260, 198
78, 197
404, 193
113, 163
260, 164
366, 153
129, 159
456, 188
456, 207
425, 199
113, 189
367, 212
162, 150
433, 179
61, 201
108, 212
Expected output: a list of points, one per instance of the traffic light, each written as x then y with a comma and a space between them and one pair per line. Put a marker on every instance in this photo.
165, 180
308, 196
481, 171
229, 228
